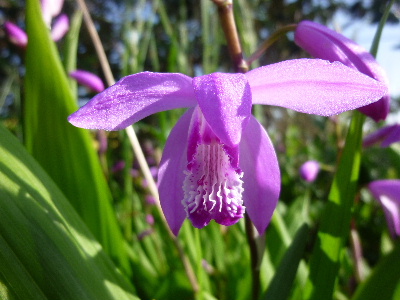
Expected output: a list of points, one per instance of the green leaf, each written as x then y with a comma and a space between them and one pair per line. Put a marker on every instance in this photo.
46, 251
335, 221
65, 152
383, 281
71, 48
282, 281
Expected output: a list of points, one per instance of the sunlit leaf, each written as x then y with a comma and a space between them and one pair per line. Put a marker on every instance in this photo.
282, 281
46, 251
65, 152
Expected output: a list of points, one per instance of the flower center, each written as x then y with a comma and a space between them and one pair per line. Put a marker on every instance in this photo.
212, 188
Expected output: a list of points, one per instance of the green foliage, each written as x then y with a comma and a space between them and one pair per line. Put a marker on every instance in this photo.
384, 279
46, 251
335, 222
279, 287
65, 152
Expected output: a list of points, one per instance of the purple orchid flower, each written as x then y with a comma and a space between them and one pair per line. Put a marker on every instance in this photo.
88, 79
309, 170
16, 34
385, 136
60, 28
322, 42
50, 9
387, 192
200, 167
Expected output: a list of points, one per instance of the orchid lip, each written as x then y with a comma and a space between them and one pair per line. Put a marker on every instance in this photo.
212, 186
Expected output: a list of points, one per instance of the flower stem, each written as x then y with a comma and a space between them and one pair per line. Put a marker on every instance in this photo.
255, 257
357, 253
225, 12
268, 43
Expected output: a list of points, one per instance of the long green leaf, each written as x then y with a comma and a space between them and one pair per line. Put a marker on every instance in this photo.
282, 281
46, 251
65, 152
71, 48
383, 281
335, 222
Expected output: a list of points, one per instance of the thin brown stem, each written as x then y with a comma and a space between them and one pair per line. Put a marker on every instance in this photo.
225, 12
255, 257
268, 43
135, 143
97, 43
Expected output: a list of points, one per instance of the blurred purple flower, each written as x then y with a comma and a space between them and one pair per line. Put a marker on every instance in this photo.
50, 9
17, 35
387, 192
309, 170
88, 79
150, 200
150, 219
202, 151
385, 136
135, 173
322, 42
60, 28
118, 166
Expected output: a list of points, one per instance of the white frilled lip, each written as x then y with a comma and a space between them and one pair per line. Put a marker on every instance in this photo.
258, 161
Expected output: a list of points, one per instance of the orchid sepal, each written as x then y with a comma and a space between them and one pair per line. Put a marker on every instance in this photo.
322, 42
387, 192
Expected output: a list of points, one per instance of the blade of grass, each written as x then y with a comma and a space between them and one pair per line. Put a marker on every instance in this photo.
282, 281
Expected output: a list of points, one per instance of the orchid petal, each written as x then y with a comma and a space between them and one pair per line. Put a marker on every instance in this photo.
261, 179
380, 135
171, 173
393, 137
387, 192
60, 28
16, 34
225, 100
313, 86
133, 98
88, 79
322, 42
